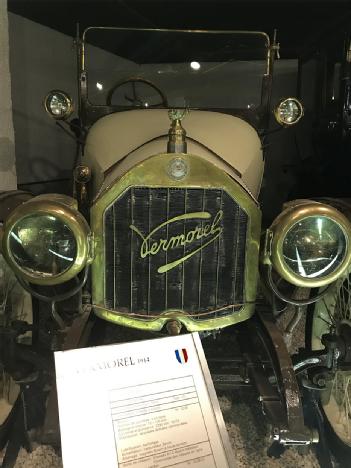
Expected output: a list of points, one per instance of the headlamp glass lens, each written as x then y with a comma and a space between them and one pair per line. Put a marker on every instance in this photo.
289, 111
59, 105
43, 245
314, 247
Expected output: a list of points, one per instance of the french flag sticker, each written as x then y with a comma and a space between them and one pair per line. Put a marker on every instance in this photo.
181, 355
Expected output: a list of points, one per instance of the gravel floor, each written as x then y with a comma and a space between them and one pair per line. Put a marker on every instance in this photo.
248, 433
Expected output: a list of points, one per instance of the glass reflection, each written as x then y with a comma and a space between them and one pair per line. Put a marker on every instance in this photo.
58, 104
314, 247
43, 244
289, 111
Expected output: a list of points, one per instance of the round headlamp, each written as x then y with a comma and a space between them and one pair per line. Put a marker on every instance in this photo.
58, 104
46, 241
310, 244
288, 112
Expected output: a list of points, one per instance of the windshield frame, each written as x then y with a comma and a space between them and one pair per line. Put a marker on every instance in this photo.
90, 113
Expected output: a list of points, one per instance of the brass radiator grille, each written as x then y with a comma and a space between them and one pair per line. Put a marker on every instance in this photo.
174, 248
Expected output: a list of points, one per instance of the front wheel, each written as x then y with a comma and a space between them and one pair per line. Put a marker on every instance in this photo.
333, 314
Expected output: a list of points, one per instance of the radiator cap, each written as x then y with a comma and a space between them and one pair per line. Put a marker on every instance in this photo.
176, 134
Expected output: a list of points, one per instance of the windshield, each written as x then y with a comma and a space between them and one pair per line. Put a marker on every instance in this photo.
162, 68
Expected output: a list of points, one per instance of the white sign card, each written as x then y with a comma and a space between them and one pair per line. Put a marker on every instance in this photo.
145, 404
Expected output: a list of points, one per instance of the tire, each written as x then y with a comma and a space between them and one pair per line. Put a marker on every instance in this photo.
333, 311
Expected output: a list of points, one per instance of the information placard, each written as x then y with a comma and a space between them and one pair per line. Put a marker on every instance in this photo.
145, 404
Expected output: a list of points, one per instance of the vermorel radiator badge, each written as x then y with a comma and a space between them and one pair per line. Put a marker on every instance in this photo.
209, 232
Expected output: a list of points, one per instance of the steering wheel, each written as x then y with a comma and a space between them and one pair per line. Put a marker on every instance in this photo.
137, 79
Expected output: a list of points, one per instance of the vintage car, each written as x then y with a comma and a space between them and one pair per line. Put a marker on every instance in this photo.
163, 233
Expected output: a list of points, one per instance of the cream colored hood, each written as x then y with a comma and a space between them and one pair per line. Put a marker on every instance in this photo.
123, 139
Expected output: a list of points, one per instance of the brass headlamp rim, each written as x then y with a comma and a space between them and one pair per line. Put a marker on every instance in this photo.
279, 119
74, 220
286, 220
69, 102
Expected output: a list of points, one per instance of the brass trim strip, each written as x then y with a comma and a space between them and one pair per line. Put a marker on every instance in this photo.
156, 324
194, 31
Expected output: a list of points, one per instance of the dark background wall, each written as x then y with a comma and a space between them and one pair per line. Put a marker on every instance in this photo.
40, 59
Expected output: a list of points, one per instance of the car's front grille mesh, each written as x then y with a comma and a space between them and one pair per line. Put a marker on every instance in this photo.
195, 264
